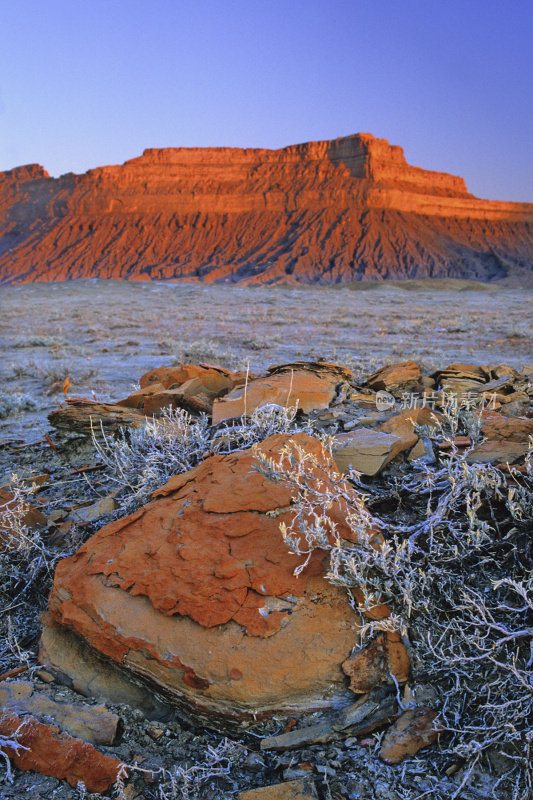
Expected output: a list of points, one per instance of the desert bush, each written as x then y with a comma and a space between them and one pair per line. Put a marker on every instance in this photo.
14, 404
207, 778
27, 567
459, 582
265, 421
140, 461
40, 341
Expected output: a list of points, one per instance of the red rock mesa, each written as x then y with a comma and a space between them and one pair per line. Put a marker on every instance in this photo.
320, 212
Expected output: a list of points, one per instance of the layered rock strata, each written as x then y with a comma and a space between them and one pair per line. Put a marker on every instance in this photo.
326, 212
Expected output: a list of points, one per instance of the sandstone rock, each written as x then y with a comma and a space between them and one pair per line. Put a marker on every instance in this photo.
137, 399
509, 429
93, 724
84, 416
496, 385
307, 385
461, 378
323, 368
365, 450
396, 378
190, 386
412, 731
257, 216
371, 711
497, 451
515, 405
217, 379
81, 668
418, 451
403, 424
303, 789
372, 665
44, 749
504, 371
88, 513
195, 595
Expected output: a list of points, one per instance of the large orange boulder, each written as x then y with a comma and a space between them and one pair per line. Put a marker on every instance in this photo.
195, 595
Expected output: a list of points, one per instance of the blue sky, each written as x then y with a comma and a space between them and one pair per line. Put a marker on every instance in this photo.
83, 84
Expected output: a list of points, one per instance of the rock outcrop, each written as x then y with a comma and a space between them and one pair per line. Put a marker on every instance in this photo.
326, 212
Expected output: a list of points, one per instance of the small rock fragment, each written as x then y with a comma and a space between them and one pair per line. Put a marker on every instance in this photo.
106, 505
365, 450
395, 378
94, 724
44, 749
373, 665
303, 789
412, 731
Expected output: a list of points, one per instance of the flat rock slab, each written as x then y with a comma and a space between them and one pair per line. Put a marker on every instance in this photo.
365, 450
43, 748
509, 429
94, 724
396, 378
307, 386
195, 595
85, 417
497, 451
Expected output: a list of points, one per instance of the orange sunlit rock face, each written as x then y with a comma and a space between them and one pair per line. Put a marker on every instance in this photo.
325, 212
196, 594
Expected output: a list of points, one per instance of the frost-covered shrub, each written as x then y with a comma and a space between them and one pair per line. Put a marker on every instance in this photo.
139, 461
15, 403
458, 579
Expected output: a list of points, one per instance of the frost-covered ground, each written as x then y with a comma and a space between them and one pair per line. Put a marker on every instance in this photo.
103, 335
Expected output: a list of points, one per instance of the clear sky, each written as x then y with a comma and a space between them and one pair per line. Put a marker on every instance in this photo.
85, 83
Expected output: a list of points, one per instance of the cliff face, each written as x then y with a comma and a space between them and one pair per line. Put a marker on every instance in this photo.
323, 212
